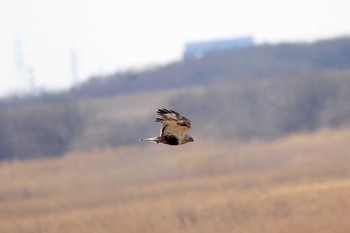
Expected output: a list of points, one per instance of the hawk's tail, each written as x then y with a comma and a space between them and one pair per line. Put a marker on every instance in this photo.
150, 140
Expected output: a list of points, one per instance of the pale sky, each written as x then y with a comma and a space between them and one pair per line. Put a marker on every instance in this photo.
114, 35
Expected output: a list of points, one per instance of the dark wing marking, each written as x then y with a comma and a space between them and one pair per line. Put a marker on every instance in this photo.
171, 117
173, 123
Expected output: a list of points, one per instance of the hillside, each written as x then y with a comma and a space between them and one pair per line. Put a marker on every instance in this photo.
265, 92
300, 183
259, 62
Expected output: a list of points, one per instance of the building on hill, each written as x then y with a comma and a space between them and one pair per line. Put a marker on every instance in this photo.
197, 49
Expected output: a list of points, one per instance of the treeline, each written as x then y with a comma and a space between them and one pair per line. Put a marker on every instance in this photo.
36, 130
264, 91
269, 108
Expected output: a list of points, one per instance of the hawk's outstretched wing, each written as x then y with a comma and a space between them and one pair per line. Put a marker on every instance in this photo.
173, 123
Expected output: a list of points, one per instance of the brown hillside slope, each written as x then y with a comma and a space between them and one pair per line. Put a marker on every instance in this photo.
297, 184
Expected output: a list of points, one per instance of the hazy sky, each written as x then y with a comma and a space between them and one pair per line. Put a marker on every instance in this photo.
111, 35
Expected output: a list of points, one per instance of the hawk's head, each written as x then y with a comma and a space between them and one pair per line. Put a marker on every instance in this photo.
186, 139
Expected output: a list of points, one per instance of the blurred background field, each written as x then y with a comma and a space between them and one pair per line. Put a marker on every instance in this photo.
298, 183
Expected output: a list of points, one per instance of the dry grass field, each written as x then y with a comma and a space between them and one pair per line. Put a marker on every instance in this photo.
300, 183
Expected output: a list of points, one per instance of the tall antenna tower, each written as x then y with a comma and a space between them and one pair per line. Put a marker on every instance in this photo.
74, 63
20, 65
24, 73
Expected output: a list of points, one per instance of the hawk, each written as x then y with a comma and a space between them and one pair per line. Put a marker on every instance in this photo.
173, 129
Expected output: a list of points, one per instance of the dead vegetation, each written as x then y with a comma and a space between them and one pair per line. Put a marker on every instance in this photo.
300, 183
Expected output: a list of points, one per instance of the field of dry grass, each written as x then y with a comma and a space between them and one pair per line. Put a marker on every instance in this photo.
300, 183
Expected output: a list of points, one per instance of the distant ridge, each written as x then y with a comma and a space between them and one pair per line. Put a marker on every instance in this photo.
258, 62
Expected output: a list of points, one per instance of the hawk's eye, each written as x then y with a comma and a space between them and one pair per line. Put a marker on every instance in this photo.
183, 124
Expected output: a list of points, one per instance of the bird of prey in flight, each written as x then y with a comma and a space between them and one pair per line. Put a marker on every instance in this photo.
173, 129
